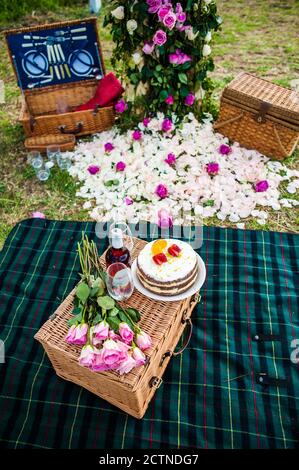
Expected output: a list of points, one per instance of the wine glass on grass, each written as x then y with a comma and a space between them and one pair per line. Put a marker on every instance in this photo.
119, 281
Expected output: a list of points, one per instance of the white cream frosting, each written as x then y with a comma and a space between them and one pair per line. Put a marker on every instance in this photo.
176, 267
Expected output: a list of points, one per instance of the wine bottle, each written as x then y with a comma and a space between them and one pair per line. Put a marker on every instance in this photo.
117, 252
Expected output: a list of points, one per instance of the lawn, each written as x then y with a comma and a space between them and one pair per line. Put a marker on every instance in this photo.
259, 36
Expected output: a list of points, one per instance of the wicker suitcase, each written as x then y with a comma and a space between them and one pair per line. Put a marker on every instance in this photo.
260, 115
164, 321
59, 63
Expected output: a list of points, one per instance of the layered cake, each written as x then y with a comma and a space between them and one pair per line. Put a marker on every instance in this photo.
167, 266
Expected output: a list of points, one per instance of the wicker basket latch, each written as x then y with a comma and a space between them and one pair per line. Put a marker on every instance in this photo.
155, 382
261, 115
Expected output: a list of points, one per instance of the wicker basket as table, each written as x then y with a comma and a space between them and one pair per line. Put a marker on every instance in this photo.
163, 321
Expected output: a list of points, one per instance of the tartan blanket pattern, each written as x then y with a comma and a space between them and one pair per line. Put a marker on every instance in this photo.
209, 398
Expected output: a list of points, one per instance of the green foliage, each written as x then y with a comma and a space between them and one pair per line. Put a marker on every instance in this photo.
14, 9
152, 78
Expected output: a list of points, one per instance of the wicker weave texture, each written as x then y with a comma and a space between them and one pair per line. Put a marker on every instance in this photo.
164, 321
40, 143
260, 115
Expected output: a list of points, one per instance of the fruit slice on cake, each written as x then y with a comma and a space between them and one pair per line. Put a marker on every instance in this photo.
167, 266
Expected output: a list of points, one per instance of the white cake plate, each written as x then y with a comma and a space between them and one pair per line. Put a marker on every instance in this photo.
171, 298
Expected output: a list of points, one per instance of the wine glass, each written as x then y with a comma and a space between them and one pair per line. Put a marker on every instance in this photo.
127, 234
119, 281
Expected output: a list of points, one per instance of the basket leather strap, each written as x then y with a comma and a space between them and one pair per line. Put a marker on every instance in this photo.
228, 121
182, 349
282, 148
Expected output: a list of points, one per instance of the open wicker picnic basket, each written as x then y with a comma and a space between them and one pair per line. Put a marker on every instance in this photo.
165, 322
260, 115
59, 62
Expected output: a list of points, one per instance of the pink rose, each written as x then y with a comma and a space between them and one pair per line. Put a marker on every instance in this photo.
93, 169
143, 341
139, 357
120, 166
87, 356
167, 125
110, 356
154, 5
148, 47
146, 122
179, 57
181, 17
164, 219
161, 191
160, 37
108, 147
121, 106
212, 168
189, 100
38, 215
114, 336
137, 135
77, 334
126, 333
169, 20
101, 331
169, 100
126, 365
163, 11
261, 186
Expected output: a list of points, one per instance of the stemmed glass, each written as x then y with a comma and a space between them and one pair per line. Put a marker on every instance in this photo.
119, 281
127, 234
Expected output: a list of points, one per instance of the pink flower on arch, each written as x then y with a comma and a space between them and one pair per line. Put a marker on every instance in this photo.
169, 20
121, 106
128, 201
160, 37
189, 100
154, 5
179, 57
146, 121
164, 219
169, 100
164, 10
148, 47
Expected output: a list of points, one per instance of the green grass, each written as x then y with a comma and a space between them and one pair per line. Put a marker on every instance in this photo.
260, 36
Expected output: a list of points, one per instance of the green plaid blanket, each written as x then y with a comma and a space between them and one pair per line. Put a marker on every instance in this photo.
210, 397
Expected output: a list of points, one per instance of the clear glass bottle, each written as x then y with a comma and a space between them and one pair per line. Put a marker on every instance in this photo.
117, 252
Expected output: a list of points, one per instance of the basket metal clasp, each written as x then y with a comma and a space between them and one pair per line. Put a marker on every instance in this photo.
155, 382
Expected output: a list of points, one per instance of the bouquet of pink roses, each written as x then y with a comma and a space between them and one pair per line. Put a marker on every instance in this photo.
109, 334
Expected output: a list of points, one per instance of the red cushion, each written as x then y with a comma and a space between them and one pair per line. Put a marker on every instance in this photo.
109, 89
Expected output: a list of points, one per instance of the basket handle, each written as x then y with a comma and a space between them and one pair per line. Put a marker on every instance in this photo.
228, 121
79, 126
188, 323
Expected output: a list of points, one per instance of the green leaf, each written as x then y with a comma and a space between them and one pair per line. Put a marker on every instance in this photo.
113, 312
133, 314
163, 95
183, 78
75, 320
97, 319
126, 319
106, 302
82, 292
113, 322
